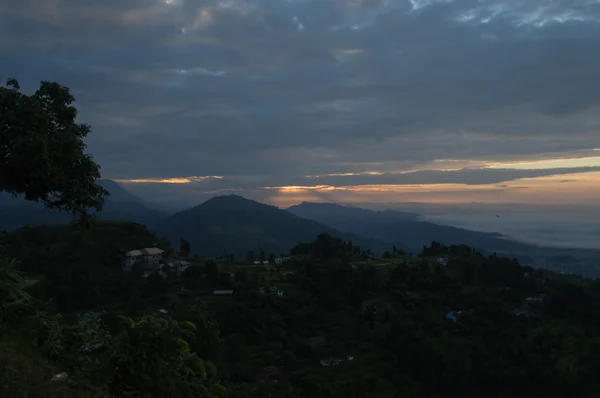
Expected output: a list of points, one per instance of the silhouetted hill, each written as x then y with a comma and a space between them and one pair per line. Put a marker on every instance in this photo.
233, 225
118, 194
399, 226
121, 205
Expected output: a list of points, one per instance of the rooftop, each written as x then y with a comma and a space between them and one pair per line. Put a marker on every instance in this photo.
144, 252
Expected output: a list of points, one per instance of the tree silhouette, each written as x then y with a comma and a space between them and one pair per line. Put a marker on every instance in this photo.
184, 248
42, 150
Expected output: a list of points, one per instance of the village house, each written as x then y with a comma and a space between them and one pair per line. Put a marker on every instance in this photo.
316, 341
525, 309
334, 361
223, 292
270, 291
537, 299
280, 261
453, 316
148, 258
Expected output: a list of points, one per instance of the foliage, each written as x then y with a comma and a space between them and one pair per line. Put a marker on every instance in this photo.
15, 301
24, 374
81, 267
42, 150
185, 248
326, 247
151, 357
390, 316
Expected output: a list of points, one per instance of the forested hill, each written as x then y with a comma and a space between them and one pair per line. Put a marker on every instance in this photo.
233, 225
329, 322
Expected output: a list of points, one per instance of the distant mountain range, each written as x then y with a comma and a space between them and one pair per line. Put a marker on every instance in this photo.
120, 205
233, 225
402, 227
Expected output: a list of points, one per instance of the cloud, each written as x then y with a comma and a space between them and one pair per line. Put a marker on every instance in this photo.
265, 92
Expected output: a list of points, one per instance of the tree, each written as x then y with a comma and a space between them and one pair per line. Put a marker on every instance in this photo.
211, 269
263, 256
387, 255
152, 357
12, 290
250, 256
185, 248
42, 150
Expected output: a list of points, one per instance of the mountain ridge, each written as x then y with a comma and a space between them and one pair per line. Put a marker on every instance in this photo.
402, 226
232, 224
120, 205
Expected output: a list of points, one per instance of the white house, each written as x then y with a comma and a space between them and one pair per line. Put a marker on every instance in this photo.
149, 257
442, 261
279, 261
223, 292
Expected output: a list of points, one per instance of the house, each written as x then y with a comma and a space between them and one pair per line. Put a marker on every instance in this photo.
537, 299
223, 292
256, 262
271, 374
280, 261
148, 258
316, 341
270, 291
334, 361
525, 310
442, 261
453, 316
265, 263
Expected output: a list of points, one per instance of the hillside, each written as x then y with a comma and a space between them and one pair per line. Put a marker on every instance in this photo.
233, 225
479, 326
399, 226
73, 260
121, 205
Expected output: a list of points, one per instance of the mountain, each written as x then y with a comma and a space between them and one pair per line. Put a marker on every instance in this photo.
121, 205
392, 225
118, 194
233, 225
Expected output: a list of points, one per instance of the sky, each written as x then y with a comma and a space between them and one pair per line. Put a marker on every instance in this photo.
350, 101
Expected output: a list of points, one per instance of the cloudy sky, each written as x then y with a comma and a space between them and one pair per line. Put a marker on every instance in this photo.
335, 100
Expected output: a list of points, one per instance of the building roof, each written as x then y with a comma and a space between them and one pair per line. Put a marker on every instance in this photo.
272, 369
150, 251
316, 340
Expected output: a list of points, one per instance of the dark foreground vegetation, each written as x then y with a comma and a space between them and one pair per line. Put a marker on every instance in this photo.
336, 326
331, 321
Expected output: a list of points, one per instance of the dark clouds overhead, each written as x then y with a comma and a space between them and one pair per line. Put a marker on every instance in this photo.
262, 92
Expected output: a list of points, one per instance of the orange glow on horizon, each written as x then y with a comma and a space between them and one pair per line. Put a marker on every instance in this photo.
580, 188
176, 180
